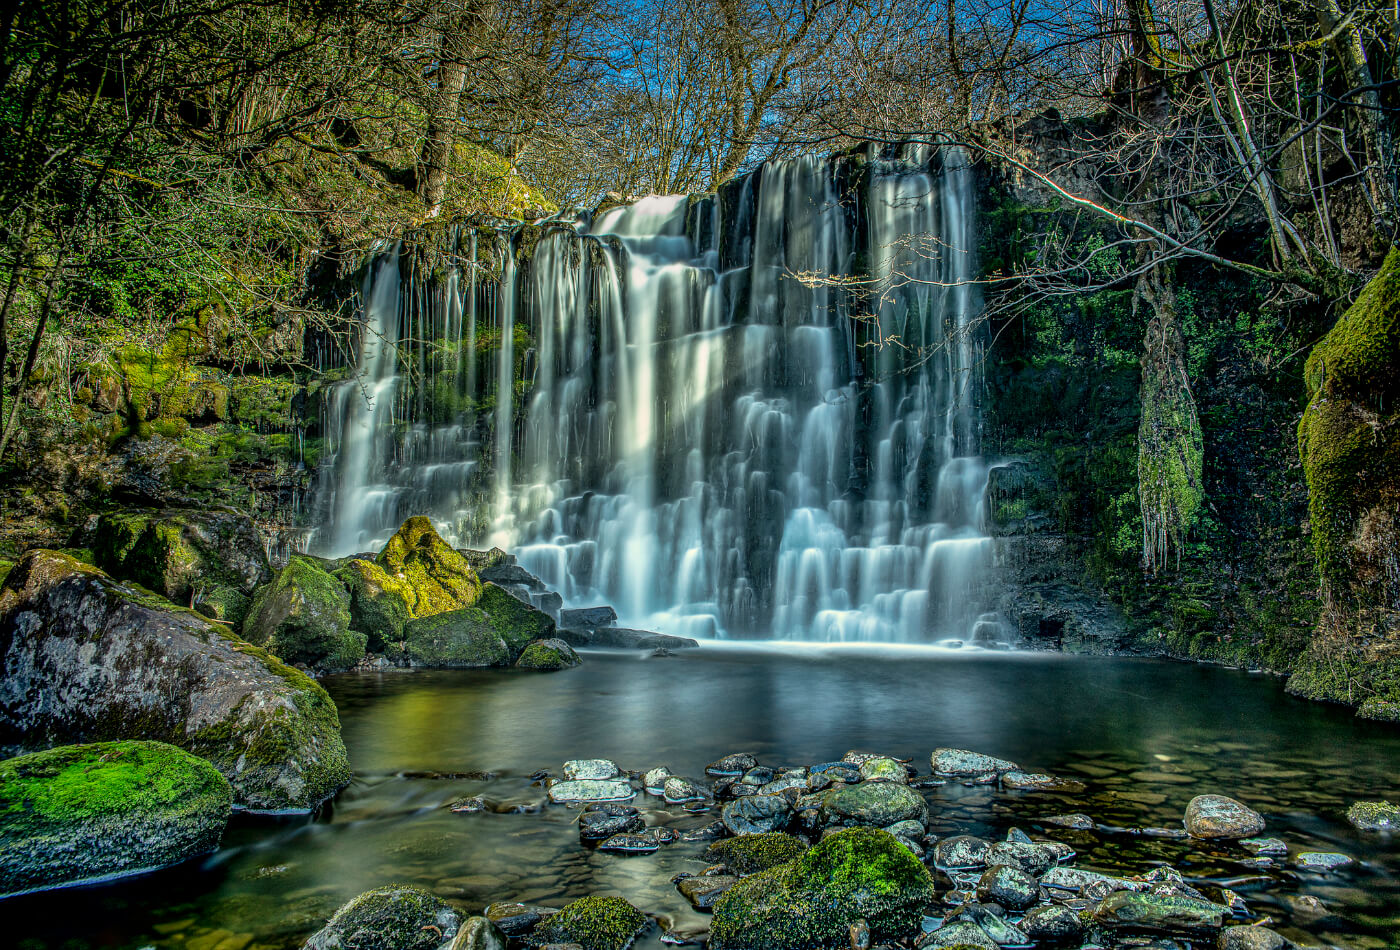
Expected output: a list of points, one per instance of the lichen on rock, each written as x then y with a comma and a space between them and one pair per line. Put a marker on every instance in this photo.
396, 917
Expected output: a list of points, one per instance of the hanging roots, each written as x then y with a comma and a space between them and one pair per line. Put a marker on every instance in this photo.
1170, 446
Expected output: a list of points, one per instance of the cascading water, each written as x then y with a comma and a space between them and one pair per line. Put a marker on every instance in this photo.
748, 414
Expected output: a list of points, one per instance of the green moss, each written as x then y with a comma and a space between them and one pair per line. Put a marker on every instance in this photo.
1380, 709
397, 917
595, 923
858, 874
378, 602
548, 655
437, 577
96, 781
749, 854
516, 622
457, 638
303, 616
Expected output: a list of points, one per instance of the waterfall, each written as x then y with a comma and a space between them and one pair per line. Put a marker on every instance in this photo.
748, 414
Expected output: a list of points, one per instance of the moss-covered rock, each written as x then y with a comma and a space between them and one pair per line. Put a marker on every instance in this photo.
90, 812
1349, 441
378, 602
548, 655
200, 558
455, 639
303, 616
873, 803
594, 923
436, 578
396, 917
858, 874
749, 854
517, 623
86, 658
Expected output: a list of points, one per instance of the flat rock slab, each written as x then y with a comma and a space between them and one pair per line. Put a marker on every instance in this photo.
961, 762
589, 769
588, 618
628, 639
1131, 910
588, 790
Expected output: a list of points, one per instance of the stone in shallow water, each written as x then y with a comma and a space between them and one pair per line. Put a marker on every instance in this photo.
1264, 846
397, 916
654, 781
678, 789
961, 851
755, 814
884, 769
989, 918
1081, 822
1010, 887
1038, 782
957, 934
467, 806
961, 762
736, 763
589, 769
1321, 860
1077, 879
478, 933
591, 791
873, 803
1218, 817
1250, 938
642, 843
1374, 816
1030, 858
1129, 910
703, 892
601, 821
1052, 923
514, 918
594, 923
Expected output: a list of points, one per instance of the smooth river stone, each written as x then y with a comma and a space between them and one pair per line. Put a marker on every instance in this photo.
703, 891
736, 763
963, 762
654, 781
589, 769
884, 769
1077, 821
1038, 782
677, 790
1321, 860
755, 814
1134, 911
1218, 817
591, 791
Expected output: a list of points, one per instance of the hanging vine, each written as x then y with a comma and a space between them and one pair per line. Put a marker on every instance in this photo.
1171, 449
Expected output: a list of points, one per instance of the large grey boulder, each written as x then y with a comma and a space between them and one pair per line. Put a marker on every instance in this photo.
83, 813
84, 658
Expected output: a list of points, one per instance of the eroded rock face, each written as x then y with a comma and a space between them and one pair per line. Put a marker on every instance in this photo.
84, 658
110, 809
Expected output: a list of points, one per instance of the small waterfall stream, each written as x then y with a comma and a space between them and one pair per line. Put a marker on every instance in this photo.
750, 414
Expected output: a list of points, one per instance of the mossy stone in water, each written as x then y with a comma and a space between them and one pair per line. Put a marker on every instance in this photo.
303, 616
87, 812
548, 655
1132, 910
594, 923
1374, 816
378, 602
436, 578
873, 803
518, 623
749, 854
858, 874
456, 639
396, 917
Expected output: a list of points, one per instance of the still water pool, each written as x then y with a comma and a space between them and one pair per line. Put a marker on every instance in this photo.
1144, 736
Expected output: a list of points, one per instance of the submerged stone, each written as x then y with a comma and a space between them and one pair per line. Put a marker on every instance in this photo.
84, 813
591, 791
515, 919
1264, 845
397, 917
1078, 821
677, 789
1131, 910
960, 762
857, 874
1242, 937
704, 891
631, 843
1321, 860
1217, 817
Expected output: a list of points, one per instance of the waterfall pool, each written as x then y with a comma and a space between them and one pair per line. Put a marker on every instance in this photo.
1144, 736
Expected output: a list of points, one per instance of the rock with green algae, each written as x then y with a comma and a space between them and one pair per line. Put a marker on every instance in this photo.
435, 577
378, 602
86, 658
396, 917
212, 559
548, 655
1379, 710
594, 923
750, 854
1374, 816
518, 623
83, 813
1162, 913
303, 616
873, 803
455, 639
1349, 442
857, 874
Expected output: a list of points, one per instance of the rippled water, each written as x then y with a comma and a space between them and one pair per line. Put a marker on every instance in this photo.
1145, 736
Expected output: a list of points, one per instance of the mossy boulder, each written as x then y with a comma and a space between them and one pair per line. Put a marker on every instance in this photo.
436, 578
857, 874
396, 917
749, 854
378, 602
457, 639
303, 616
518, 623
84, 658
548, 655
594, 923
211, 559
873, 803
83, 813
